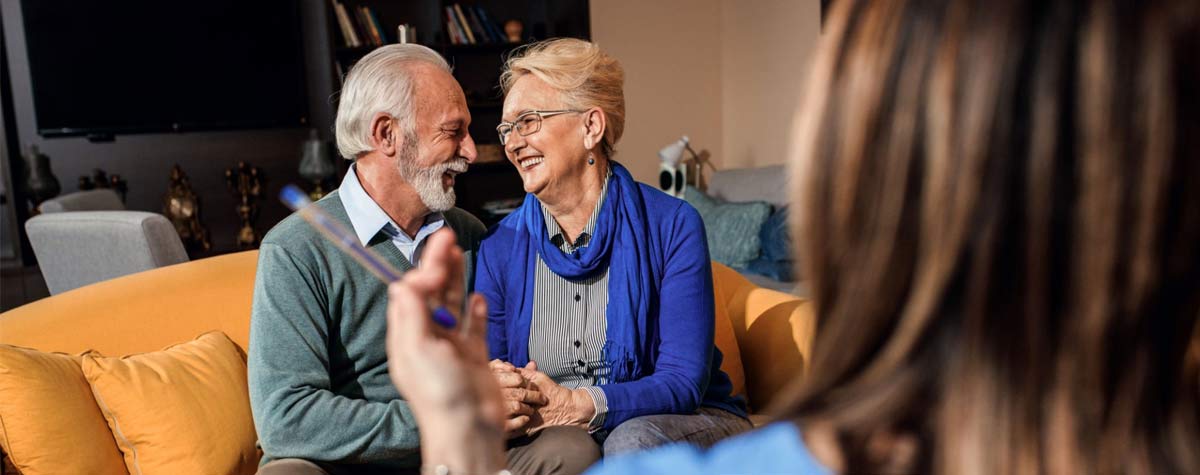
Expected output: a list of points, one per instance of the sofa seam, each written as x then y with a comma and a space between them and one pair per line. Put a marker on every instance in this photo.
117, 429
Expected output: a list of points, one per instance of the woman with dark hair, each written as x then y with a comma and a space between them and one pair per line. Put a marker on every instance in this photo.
999, 208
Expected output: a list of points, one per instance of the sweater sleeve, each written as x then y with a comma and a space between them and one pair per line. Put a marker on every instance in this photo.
487, 283
685, 323
295, 412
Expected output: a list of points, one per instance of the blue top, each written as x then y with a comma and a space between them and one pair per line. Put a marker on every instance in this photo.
776, 448
660, 312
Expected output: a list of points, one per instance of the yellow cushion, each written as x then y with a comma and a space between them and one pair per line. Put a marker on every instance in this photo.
726, 341
184, 409
49, 422
774, 332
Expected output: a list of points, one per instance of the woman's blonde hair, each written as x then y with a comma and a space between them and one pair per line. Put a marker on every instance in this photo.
586, 77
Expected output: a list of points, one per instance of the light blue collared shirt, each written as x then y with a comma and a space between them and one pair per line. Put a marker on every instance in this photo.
368, 219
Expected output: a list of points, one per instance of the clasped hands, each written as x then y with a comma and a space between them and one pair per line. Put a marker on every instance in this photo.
532, 401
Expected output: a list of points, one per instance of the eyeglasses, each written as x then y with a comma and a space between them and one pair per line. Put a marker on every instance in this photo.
527, 123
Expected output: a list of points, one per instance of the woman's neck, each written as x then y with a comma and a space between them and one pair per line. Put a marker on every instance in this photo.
573, 207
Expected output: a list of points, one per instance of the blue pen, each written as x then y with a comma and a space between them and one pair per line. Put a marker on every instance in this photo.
298, 201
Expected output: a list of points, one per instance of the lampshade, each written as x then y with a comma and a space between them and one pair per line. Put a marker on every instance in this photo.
672, 153
317, 159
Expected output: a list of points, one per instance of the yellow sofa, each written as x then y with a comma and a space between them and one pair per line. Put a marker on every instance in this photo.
765, 335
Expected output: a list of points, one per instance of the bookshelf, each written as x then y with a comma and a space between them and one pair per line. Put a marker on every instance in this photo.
477, 64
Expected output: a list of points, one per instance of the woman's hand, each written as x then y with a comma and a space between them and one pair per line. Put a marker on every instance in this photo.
519, 399
565, 407
443, 374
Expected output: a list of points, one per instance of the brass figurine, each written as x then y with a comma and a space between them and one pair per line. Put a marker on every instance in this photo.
246, 185
182, 207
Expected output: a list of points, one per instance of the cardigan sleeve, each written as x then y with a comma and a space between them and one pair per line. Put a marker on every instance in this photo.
488, 284
685, 327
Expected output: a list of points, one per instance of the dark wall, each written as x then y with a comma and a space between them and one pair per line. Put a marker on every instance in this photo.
144, 161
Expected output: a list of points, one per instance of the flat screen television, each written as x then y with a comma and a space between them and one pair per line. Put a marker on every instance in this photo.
143, 66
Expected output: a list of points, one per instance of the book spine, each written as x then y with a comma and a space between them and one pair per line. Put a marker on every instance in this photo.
365, 24
480, 33
491, 26
456, 37
344, 24
382, 33
462, 20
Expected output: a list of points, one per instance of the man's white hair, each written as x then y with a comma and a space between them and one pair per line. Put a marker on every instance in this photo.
380, 82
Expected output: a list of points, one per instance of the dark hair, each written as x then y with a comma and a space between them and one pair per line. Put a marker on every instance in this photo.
1000, 214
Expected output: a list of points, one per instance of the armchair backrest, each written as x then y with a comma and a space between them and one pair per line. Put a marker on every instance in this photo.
78, 248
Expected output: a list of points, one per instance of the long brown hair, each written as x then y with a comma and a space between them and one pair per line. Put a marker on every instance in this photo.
1000, 217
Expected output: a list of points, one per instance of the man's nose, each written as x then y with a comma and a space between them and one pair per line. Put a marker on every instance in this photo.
466, 149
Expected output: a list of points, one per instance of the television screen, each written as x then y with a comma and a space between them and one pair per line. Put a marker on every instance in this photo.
136, 66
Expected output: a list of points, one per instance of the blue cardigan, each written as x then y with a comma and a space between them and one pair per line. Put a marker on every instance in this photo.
682, 369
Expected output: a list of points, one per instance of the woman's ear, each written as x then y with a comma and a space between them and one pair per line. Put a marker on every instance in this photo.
594, 124
384, 134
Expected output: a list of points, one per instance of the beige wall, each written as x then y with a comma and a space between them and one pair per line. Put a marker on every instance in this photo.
727, 73
671, 51
765, 54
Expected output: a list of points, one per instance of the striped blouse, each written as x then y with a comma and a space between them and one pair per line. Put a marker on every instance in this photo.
569, 324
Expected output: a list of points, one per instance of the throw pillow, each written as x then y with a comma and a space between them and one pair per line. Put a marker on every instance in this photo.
731, 228
185, 409
776, 240
49, 422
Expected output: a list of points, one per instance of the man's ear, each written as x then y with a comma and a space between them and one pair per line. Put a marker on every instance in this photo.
384, 134
594, 124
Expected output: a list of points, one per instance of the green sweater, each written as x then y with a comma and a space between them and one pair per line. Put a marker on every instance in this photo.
319, 386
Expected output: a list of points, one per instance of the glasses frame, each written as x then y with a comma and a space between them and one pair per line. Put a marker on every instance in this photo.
542, 115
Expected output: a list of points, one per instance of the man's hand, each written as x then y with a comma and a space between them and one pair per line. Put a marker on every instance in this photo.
565, 407
520, 399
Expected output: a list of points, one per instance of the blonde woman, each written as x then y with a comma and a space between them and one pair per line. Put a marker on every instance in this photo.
599, 288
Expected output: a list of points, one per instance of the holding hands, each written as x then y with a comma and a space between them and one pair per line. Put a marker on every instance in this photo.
466, 407
533, 401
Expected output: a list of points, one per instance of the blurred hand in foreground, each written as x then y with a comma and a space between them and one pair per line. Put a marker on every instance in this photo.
443, 373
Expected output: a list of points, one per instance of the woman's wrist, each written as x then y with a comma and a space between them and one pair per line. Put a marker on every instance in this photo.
463, 441
585, 407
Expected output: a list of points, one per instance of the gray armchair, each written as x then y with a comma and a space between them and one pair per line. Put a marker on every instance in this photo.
90, 200
78, 248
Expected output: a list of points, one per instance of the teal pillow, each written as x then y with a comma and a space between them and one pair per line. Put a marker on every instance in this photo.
732, 229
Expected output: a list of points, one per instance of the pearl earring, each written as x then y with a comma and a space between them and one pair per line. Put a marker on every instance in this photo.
591, 159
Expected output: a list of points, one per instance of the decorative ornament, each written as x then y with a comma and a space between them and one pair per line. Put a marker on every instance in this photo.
182, 207
513, 30
246, 185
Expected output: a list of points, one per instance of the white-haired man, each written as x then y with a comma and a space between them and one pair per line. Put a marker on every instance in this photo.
319, 386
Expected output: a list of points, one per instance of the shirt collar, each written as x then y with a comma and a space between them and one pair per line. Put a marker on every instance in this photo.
367, 218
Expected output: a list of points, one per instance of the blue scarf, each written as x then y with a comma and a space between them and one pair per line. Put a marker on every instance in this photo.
619, 242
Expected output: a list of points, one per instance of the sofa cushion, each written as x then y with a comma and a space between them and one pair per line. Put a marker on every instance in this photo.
184, 409
730, 228
768, 183
49, 422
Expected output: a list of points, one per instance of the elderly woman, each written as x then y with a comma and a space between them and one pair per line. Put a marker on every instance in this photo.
599, 288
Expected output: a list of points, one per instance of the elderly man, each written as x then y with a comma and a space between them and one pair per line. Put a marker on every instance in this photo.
319, 386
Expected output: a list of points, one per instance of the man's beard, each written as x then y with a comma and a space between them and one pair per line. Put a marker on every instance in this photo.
428, 181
